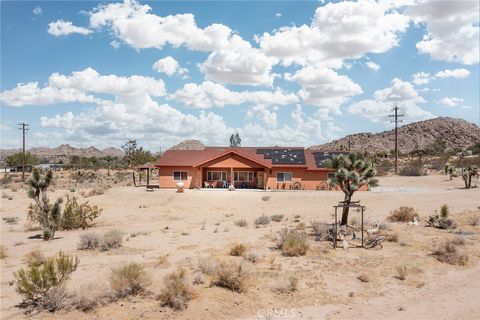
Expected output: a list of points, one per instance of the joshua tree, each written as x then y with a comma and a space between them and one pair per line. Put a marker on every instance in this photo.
450, 170
47, 214
352, 172
467, 175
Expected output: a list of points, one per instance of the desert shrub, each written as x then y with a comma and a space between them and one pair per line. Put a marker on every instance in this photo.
474, 220
402, 272
446, 223
251, 257
364, 277
198, 279
301, 226
176, 291
277, 217
129, 279
88, 296
233, 276
448, 252
286, 285
411, 171
35, 258
444, 211
111, 240
458, 241
76, 215
392, 237
238, 250
242, 223
3, 252
403, 214
262, 220
208, 265
442, 221
89, 241
291, 242
320, 230
10, 220
43, 285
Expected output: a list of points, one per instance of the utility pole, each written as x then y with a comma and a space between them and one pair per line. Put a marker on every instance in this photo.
396, 115
24, 127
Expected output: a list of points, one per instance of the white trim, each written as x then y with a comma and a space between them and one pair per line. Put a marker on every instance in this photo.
180, 171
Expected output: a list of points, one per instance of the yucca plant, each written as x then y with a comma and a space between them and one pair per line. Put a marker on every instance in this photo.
45, 213
352, 172
467, 175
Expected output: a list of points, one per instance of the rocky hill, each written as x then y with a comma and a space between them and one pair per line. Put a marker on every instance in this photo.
189, 145
457, 133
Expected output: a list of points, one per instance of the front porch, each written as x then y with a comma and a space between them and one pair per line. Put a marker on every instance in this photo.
241, 178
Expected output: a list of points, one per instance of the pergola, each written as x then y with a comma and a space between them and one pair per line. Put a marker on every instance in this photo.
148, 167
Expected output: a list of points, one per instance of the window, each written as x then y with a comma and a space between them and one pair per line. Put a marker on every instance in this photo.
244, 176
284, 176
180, 175
216, 175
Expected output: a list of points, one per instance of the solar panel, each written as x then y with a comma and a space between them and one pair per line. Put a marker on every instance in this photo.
320, 157
284, 156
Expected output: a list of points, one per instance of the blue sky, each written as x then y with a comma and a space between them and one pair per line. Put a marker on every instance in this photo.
278, 72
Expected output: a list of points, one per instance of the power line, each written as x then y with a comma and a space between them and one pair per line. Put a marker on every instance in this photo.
396, 115
24, 127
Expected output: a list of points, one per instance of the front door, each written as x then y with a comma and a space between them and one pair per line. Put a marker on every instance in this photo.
260, 179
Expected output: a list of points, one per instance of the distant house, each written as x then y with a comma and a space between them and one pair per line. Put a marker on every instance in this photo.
50, 166
245, 167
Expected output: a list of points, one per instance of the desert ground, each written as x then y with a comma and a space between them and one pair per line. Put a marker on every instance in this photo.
165, 230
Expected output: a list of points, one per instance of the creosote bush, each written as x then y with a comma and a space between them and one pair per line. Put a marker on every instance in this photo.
442, 221
42, 286
291, 242
277, 217
448, 252
129, 279
232, 276
320, 230
111, 240
262, 220
176, 291
238, 250
403, 214
78, 216
208, 265
89, 241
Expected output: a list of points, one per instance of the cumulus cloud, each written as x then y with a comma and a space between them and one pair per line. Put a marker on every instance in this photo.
455, 73
324, 87
64, 28
169, 66
37, 11
209, 94
452, 29
339, 31
372, 65
400, 93
421, 78
451, 102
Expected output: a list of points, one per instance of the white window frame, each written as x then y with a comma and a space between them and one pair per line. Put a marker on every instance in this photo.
180, 173
283, 179
250, 175
223, 174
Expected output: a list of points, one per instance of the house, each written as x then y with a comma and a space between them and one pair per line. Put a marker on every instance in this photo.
245, 167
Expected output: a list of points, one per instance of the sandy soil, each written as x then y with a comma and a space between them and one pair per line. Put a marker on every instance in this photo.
201, 223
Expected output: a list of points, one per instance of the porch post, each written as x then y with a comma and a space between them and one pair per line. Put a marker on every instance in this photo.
148, 176
231, 177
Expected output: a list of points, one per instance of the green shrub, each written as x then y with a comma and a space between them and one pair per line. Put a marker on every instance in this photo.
262, 220
176, 291
76, 215
403, 214
444, 211
129, 279
291, 242
111, 240
411, 171
10, 220
43, 285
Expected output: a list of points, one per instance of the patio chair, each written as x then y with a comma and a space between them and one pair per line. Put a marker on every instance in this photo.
224, 184
206, 184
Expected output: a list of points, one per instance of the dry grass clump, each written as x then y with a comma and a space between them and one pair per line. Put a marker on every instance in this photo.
35, 258
111, 240
208, 265
364, 277
242, 223
402, 272
392, 237
176, 291
474, 220
291, 242
287, 285
10, 220
233, 276
403, 214
3, 252
251, 257
89, 296
238, 250
129, 279
262, 220
448, 252
89, 241
320, 230
277, 217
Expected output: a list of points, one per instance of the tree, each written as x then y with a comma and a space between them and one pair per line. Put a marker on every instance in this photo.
135, 155
467, 175
16, 159
352, 172
130, 148
235, 140
48, 214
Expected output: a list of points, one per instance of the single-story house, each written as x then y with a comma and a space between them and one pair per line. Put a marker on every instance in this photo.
245, 167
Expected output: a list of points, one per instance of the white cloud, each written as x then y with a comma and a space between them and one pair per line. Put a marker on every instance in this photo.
372, 65
63, 28
400, 93
421, 78
455, 73
267, 117
209, 94
169, 66
278, 15
75, 88
452, 29
324, 87
339, 31
115, 44
37, 11
451, 102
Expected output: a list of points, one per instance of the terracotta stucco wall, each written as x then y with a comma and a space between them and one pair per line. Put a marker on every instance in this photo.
308, 179
166, 177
